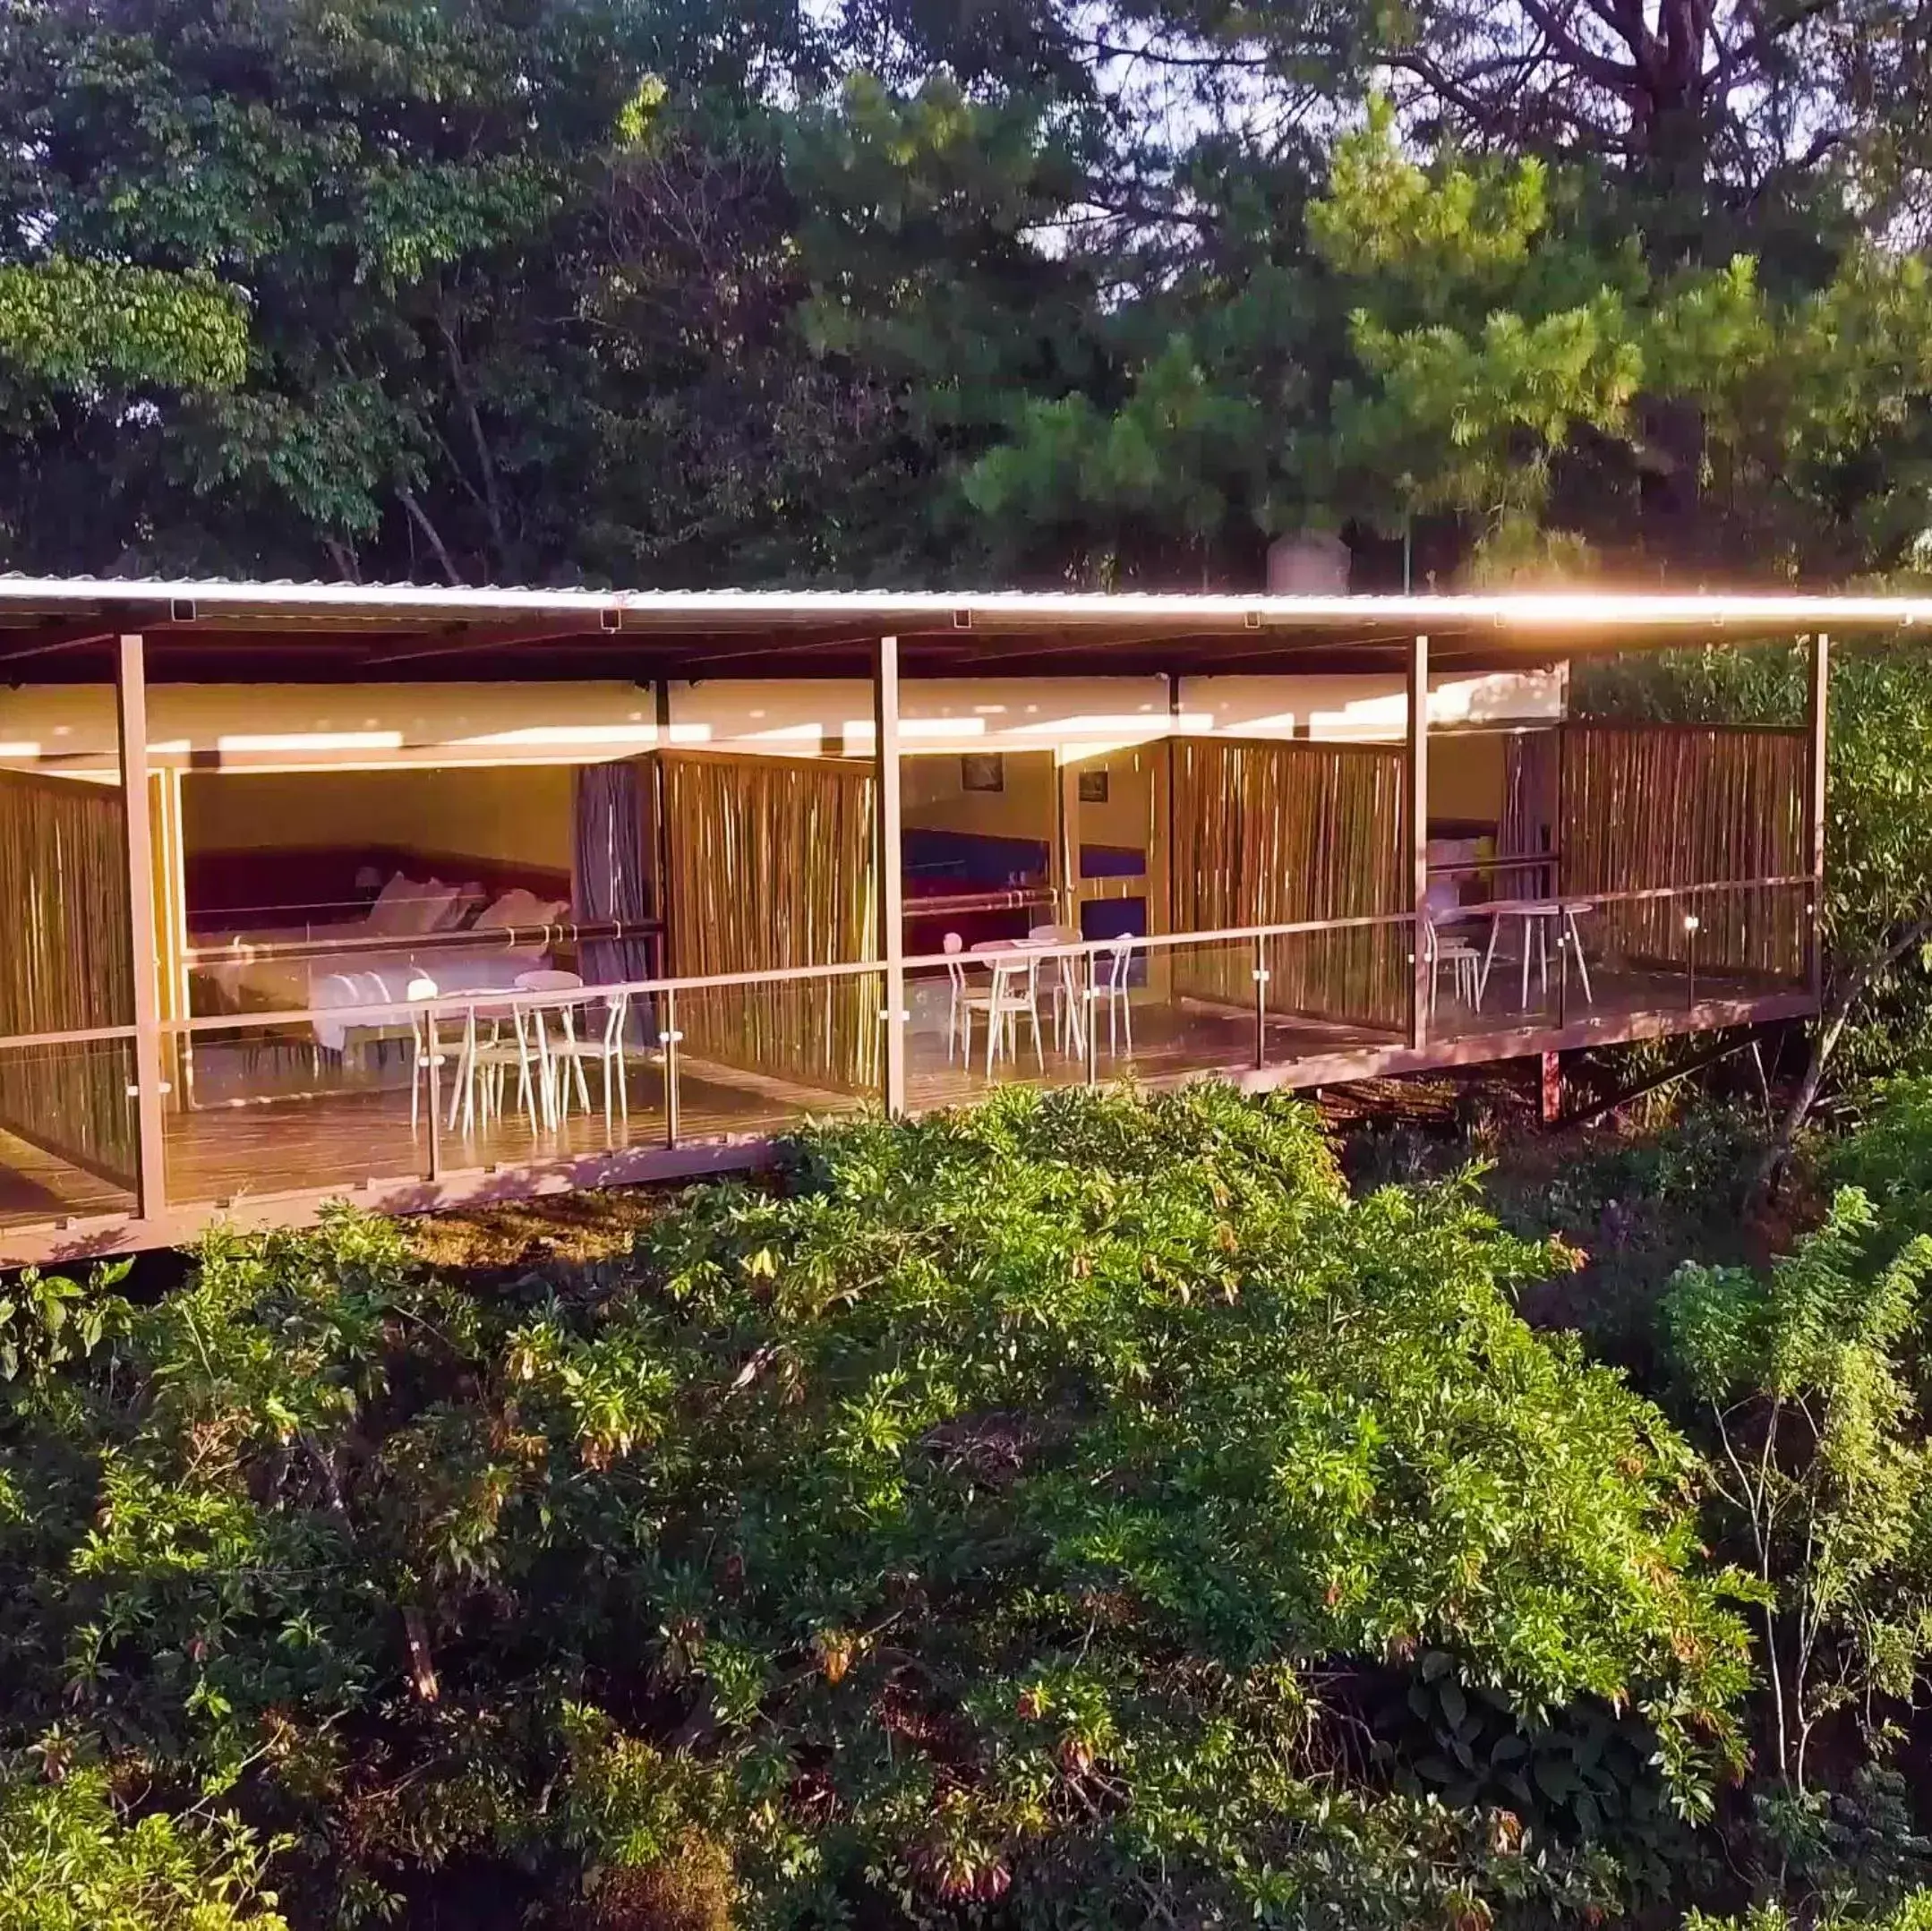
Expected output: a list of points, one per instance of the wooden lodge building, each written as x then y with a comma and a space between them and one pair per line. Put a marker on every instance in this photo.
422, 896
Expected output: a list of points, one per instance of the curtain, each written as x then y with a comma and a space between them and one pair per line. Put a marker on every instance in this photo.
610, 877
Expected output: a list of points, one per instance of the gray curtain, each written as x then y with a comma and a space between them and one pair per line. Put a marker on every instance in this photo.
609, 873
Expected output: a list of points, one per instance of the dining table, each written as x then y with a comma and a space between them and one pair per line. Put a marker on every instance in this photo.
1071, 959
1535, 917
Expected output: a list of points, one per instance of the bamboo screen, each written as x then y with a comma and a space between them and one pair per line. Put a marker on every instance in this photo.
67, 965
1649, 805
771, 864
1272, 832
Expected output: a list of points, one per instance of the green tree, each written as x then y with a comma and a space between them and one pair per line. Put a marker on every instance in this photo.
1514, 367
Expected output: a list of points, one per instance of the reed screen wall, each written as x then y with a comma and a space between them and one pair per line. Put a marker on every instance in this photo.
771, 864
1648, 804
1269, 833
67, 965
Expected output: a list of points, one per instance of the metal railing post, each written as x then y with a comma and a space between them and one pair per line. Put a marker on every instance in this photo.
1260, 1004
150, 1088
1091, 994
432, 1043
1691, 924
668, 1038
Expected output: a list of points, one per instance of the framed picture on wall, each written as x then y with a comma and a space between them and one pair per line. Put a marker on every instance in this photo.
1093, 786
982, 771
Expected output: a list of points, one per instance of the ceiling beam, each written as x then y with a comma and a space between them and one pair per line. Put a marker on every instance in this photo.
466, 640
49, 639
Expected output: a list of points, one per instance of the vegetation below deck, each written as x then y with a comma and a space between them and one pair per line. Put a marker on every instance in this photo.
1079, 1510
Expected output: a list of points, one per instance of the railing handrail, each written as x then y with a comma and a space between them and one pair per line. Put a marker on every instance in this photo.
486, 938
444, 1004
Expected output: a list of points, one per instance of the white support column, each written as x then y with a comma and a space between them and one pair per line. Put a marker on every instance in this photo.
889, 846
1418, 836
131, 708
1817, 721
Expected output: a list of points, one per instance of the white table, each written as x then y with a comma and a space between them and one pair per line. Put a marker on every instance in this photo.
1535, 917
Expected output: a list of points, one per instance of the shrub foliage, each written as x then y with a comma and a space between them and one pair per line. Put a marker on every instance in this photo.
1077, 1511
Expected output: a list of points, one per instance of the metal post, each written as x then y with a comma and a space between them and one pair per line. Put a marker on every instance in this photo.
1550, 1088
1815, 721
150, 1132
1418, 840
433, 1042
1260, 1004
1691, 923
668, 1038
888, 851
660, 830
1090, 994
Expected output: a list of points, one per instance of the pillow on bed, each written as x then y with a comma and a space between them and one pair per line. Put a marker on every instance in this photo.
469, 900
413, 911
395, 911
517, 907
447, 907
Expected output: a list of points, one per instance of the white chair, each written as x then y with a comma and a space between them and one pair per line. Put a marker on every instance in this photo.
486, 1062
962, 1001
603, 1049
1064, 977
428, 1049
553, 1040
1113, 968
1443, 906
1014, 991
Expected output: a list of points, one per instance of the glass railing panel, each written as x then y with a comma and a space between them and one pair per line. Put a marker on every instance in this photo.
1002, 1014
1338, 989
1164, 1010
1617, 960
761, 1058
67, 1132
273, 1106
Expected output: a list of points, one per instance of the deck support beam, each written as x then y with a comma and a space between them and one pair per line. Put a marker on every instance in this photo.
1550, 1088
1417, 840
889, 845
131, 716
1816, 728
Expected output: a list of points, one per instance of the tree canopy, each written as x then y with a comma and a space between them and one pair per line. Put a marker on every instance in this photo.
678, 292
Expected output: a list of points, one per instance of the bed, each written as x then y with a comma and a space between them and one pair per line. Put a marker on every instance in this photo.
414, 930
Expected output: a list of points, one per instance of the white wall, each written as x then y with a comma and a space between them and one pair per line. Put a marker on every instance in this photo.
288, 726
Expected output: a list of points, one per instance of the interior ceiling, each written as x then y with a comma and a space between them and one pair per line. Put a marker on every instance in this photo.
61, 633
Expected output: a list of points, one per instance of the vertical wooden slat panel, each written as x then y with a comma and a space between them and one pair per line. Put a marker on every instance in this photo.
1817, 733
1271, 833
772, 865
67, 965
1650, 806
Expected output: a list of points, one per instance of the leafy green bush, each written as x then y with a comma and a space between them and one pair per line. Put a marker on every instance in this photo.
1007, 1516
1889, 1155
72, 1859
1819, 1461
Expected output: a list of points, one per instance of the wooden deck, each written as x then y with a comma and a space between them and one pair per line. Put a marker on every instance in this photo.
356, 1142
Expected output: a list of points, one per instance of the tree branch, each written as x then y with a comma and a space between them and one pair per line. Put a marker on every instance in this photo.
420, 518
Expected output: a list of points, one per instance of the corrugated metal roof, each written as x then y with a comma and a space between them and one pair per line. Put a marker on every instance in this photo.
667, 609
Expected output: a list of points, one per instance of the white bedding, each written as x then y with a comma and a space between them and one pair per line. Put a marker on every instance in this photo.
370, 978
